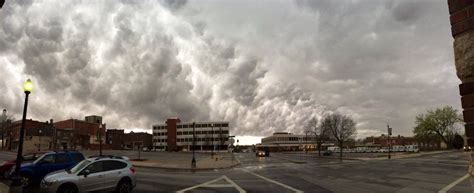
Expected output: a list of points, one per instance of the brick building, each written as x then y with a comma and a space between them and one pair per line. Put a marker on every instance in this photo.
137, 140
38, 136
85, 134
462, 29
383, 141
115, 138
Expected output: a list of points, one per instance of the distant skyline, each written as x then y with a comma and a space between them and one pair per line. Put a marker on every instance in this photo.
264, 66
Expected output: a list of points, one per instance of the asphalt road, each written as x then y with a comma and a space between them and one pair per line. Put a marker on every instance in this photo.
307, 173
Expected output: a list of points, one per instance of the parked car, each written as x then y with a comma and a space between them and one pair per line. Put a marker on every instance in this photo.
6, 166
33, 173
327, 153
98, 173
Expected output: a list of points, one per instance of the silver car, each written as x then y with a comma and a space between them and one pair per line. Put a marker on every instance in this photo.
99, 173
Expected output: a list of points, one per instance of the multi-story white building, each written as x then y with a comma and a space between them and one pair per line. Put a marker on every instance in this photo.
284, 141
177, 136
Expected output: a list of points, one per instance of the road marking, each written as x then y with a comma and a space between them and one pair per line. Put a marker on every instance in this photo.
275, 182
211, 185
449, 186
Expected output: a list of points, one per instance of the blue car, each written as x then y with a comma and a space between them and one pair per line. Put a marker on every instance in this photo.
33, 173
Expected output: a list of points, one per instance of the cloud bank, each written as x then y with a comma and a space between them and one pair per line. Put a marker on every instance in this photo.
265, 66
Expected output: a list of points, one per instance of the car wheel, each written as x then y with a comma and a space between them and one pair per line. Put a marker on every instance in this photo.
67, 189
25, 180
6, 174
124, 187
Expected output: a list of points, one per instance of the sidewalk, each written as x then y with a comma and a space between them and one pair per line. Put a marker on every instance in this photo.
367, 158
201, 164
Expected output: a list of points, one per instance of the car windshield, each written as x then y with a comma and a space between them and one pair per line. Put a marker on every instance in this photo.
78, 167
40, 158
29, 157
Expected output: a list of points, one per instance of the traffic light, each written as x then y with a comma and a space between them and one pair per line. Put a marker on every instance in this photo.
1, 3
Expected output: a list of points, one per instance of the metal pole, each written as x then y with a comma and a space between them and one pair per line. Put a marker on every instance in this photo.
4, 119
39, 144
306, 141
100, 140
19, 157
389, 132
212, 140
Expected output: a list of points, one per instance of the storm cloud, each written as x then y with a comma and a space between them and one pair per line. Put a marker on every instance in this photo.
265, 66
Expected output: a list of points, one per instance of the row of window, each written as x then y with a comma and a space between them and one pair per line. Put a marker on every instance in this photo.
207, 125
160, 134
189, 140
198, 140
295, 139
216, 132
203, 132
199, 125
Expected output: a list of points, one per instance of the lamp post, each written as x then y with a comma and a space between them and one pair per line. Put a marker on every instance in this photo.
4, 119
99, 137
193, 162
39, 143
389, 132
306, 143
27, 87
212, 140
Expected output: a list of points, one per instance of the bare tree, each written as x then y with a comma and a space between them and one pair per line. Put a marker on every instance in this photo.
5, 120
320, 133
341, 127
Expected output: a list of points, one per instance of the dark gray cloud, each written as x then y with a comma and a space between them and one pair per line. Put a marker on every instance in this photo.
265, 66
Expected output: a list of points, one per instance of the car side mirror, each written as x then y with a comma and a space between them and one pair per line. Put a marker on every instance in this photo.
85, 173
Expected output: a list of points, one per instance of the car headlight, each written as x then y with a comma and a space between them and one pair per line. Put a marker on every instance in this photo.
49, 183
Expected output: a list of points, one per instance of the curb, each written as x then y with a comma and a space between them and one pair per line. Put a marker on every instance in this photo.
190, 169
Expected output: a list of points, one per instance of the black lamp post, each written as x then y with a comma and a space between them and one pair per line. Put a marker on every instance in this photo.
39, 143
99, 136
27, 87
4, 119
389, 132
193, 162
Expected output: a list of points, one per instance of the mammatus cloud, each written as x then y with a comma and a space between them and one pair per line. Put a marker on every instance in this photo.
265, 66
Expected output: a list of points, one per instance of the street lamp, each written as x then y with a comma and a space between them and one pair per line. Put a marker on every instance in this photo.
193, 162
389, 132
99, 137
27, 87
212, 140
4, 119
39, 144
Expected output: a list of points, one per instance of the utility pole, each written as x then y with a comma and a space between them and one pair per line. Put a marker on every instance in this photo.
389, 132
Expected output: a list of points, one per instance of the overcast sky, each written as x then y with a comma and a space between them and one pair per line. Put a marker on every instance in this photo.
265, 66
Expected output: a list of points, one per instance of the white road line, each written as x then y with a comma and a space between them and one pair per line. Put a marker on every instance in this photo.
275, 182
235, 185
218, 186
210, 185
449, 186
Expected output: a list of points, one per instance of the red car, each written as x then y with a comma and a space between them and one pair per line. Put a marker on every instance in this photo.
6, 166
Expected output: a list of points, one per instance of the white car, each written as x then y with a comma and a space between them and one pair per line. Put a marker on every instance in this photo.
97, 173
